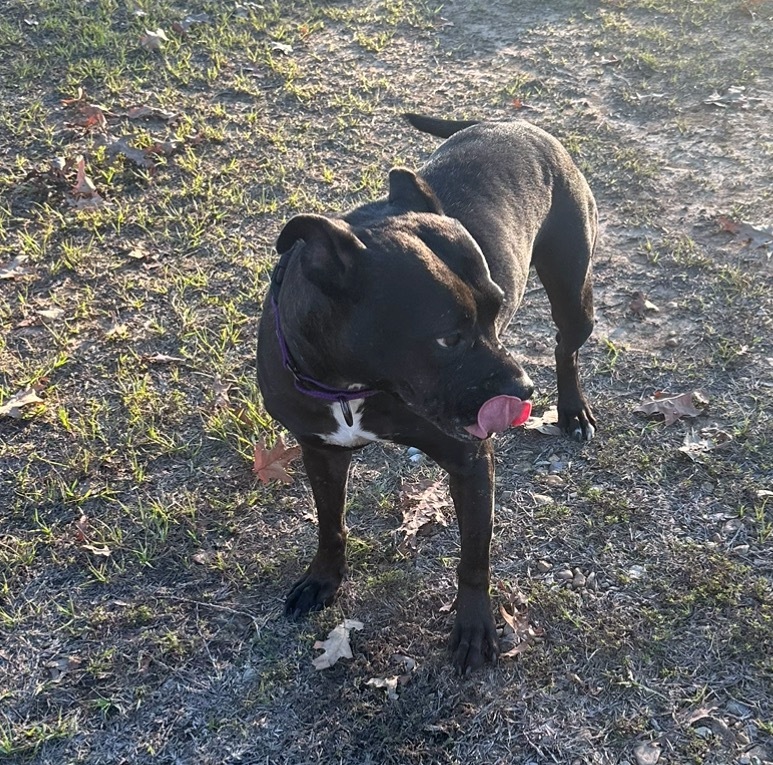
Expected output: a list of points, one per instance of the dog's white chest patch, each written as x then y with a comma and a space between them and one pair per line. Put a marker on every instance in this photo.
348, 435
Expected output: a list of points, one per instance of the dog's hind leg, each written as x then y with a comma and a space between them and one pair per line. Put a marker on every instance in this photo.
563, 264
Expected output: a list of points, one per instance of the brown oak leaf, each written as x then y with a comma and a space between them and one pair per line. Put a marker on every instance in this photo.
422, 506
672, 408
13, 407
270, 465
337, 644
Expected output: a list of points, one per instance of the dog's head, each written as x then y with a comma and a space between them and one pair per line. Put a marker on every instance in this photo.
416, 309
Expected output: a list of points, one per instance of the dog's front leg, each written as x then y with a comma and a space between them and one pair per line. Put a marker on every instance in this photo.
328, 472
474, 639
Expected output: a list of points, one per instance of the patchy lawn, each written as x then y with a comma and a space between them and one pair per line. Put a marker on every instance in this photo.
150, 153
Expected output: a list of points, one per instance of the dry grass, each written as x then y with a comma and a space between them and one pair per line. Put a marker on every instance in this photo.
142, 567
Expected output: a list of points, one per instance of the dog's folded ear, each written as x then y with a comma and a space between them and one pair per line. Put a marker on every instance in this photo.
411, 193
329, 250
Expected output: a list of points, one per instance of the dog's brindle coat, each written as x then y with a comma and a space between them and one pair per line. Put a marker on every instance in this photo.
403, 300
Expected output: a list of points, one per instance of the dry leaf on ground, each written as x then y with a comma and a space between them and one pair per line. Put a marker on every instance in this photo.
735, 95
150, 113
709, 439
58, 668
220, 389
182, 27
518, 632
270, 465
640, 304
162, 358
422, 506
153, 40
26, 397
337, 644
84, 192
391, 682
647, 753
756, 236
52, 314
546, 423
672, 408
14, 268
123, 147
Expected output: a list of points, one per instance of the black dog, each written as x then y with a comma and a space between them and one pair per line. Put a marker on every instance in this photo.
384, 324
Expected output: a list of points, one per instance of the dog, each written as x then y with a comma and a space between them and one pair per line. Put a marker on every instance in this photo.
384, 325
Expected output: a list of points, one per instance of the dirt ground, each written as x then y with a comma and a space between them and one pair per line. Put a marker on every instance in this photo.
143, 566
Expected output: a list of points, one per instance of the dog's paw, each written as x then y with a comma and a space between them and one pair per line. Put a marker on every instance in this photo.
474, 638
578, 425
312, 592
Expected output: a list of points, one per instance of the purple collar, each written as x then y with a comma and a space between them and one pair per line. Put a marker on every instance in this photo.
303, 383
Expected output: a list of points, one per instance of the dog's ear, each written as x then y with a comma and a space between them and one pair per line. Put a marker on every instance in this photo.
411, 193
330, 249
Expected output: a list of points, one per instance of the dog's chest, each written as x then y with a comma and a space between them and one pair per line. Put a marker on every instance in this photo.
345, 434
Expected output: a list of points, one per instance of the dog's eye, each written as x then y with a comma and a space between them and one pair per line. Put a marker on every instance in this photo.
449, 341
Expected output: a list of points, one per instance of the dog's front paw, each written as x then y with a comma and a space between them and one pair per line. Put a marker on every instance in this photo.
577, 422
474, 636
315, 590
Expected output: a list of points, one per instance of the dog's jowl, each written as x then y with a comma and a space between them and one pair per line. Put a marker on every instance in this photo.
384, 324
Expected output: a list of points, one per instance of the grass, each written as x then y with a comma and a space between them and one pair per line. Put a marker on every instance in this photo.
143, 566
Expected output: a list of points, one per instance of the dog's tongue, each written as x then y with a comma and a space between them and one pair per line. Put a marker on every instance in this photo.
500, 413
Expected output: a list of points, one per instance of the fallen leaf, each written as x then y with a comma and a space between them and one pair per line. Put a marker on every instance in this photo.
52, 314
164, 148
84, 191
545, 424
647, 753
756, 236
162, 358
82, 528
58, 165
422, 507
672, 408
60, 667
14, 268
138, 252
84, 186
337, 644
102, 550
117, 332
79, 98
270, 465
123, 147
91, 116
639, 304
735, 95
281, 48
12, 407
220, 389
518, 630
153, 40
389, 684
690, 717
709, 439
151, 113
182, 27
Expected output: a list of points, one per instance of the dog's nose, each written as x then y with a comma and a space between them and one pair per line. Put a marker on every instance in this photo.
522, 387
514, 382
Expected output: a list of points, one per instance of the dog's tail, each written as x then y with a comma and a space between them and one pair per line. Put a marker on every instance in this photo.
438, 127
